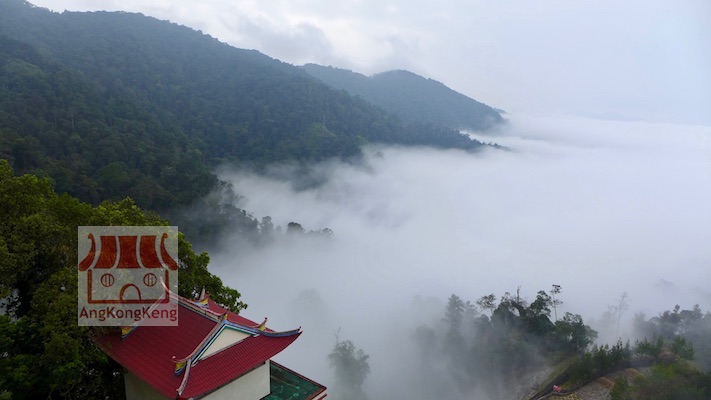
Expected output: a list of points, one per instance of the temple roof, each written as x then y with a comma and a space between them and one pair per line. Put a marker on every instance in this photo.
178, 361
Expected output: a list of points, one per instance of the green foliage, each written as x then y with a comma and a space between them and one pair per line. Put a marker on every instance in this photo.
599, 361
486, 351
651, 348
61, 125
454, 313
43, 351
573, 334
194, 276
671, 377
691, 325
351, 368
411, 97
674, 381
128, 105
682, 348
620, 391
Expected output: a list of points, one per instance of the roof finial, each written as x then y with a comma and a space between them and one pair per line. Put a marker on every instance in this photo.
263, 325
204, 298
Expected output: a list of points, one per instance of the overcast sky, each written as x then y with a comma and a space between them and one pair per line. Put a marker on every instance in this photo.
634, 59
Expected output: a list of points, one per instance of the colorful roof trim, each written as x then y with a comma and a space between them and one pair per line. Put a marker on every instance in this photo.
170, 358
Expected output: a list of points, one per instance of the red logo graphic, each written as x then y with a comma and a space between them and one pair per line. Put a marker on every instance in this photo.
126, 269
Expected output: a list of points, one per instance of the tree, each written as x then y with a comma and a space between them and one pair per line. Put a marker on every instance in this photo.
536, 316
351, 368
556, 289
295, 228
487, 303
621, 389
619, 309
682, 348
266, 227
454, 315
576, 336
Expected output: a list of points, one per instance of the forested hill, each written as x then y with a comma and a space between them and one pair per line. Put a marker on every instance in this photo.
54, 122
411, 97
100, 96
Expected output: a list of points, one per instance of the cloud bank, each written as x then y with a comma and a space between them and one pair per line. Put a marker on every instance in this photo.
598, 207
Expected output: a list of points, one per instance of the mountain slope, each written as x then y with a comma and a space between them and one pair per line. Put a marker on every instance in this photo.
136, 91
411, 97
95, 145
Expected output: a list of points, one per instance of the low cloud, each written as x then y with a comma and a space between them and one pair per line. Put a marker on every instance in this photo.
598, 207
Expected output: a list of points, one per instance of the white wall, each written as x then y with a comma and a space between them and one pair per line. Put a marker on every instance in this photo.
226, 338
254, 385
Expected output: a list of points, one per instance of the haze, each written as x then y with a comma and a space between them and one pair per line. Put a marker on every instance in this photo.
597, 207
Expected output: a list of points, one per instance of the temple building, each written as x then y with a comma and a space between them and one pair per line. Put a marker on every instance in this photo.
211, 354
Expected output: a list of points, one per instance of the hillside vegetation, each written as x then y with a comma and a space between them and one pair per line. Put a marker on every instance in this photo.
411, 97
44, 353
111, 102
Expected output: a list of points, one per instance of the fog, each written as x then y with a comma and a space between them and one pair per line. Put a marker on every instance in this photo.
598, 207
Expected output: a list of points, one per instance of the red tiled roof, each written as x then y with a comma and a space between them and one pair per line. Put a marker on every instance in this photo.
232, 317
150, 352
236, 361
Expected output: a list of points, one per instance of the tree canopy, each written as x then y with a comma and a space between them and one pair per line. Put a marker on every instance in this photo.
351, 368
43, 351
411, 97
491, 344
109, 103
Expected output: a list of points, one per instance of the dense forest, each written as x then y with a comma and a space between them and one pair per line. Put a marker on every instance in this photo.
113, 103
411, 97
43, 352
56, 123
496, 347
509, 347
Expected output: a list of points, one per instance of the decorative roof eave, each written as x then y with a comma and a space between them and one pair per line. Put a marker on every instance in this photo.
200, 309
184, 383
222, 323
204, 299
182, 363
258, 329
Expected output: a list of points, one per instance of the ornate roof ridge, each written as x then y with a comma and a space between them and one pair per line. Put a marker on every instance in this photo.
184, 382
188, 369
181, 363
222, 322
198, 308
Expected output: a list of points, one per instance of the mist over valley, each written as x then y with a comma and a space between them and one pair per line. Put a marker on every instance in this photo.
599, 207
